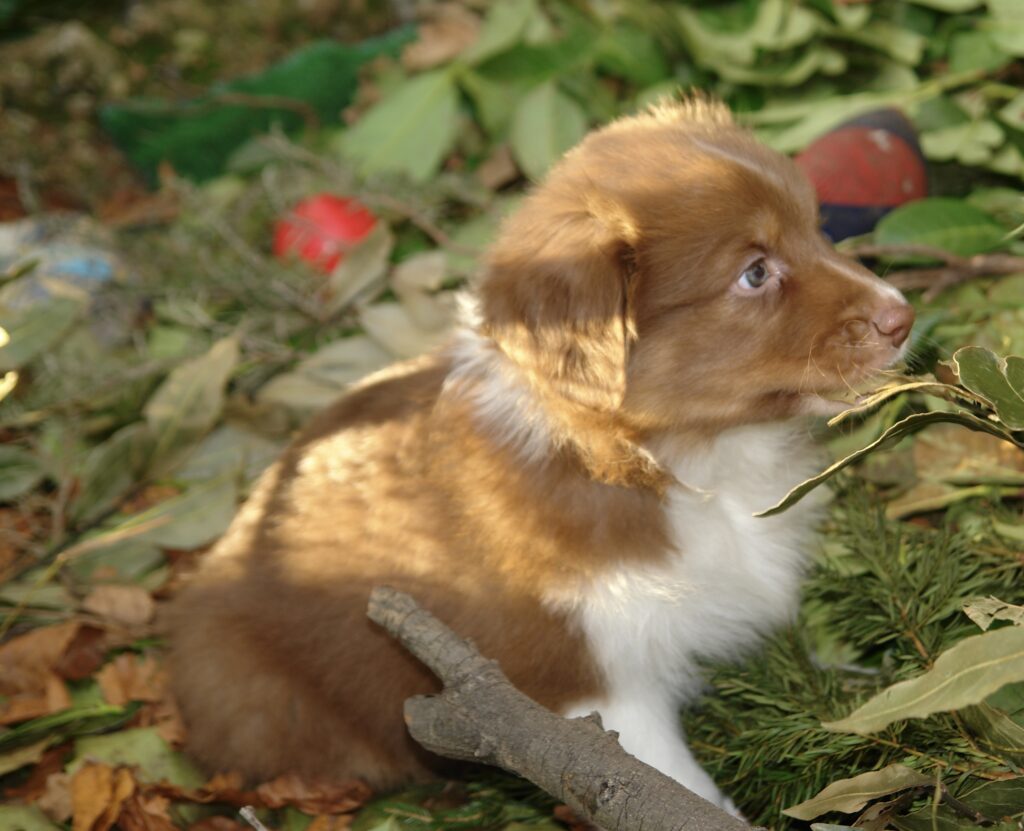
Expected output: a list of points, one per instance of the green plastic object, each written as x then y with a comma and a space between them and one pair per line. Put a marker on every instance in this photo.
198, 136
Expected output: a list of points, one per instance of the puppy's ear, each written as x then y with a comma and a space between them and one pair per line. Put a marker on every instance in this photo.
557, 298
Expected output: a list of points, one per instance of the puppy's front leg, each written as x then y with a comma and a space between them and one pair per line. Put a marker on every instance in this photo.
649, 728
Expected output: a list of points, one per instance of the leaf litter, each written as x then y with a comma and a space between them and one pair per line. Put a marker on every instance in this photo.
132, 442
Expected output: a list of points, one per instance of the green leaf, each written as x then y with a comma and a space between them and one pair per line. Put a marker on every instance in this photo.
410, 131
20, 471
1005, 25
123, 562
911, 424
975, 50
142, 748
546, 124
1000, 381
319, 80
111, 470
25, 818
632, 53
229, 451
191, 520
951, 6
996, 731
503, 27
984, 610
970, 143
189, 402
361, 271
941, 222
75, 721
34, 330
963, 675
849, 795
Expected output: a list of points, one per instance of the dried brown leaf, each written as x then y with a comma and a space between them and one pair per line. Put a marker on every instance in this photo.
97, 794
312, 796
124, 604
219, 824
55, 801
145, 813
35, 786
451, 29
131, 678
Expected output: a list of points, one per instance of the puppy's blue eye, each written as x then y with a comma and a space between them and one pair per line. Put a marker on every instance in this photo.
755, 276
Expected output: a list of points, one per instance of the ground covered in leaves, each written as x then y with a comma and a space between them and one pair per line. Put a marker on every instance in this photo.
155, 355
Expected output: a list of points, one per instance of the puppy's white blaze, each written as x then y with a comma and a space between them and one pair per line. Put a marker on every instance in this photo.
878, 285
503, 403
731, 578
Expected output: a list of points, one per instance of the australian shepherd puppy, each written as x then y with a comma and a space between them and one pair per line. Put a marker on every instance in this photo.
570, 482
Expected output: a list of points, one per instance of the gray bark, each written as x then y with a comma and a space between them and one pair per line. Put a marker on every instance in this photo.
481, 717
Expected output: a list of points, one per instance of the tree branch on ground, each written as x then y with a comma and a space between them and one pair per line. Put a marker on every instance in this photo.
481, 717
934, 279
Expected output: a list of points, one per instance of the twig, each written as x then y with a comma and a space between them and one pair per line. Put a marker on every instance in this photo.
955, 269
248, 813
481, 717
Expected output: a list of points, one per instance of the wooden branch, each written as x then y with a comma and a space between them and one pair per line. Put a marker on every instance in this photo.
955, 269
481, 717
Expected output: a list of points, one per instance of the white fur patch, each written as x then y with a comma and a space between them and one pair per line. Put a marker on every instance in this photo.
732, 578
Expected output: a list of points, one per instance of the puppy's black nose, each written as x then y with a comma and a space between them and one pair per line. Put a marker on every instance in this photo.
894, 322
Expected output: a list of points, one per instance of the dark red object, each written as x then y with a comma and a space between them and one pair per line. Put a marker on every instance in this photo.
863, 169
320, 230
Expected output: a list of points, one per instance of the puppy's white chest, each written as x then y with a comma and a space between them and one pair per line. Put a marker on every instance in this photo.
732, 576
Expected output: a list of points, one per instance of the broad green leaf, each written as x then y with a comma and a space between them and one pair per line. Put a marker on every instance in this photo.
631, 53
970, 143
849, 795
326, 374
20, 471
898, 43
999, 381
142, 748
503, 27
941, 222
122, 562
985, 610
190, 520
546, 124
111, 470
189, 402
229, 451
31, 331
996, 731
962, 675
975, 50
534, 64
410, 131
1005, 25
817, 58
911, 424
1001, 798
17, 759
361, 271
25, 818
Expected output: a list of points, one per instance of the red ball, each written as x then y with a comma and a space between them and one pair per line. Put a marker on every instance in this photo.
320, 230
863, 169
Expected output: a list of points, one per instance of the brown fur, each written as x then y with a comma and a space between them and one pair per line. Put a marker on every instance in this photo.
612, 291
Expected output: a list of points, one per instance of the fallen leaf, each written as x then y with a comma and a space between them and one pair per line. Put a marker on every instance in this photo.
28, 679
849, 795
962, 675
141, 748
449, 29
220, 824
131, 678
49, 762
28, 755
165, 717
312, 796
97, 793
326, 823
985, 610
145, 813
223, 787
84, 655
498, 169
55, 801
124, 604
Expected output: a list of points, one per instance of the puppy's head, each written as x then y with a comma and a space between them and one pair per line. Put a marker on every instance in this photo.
671, 271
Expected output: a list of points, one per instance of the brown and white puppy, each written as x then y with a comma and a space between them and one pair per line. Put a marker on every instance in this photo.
570, 482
